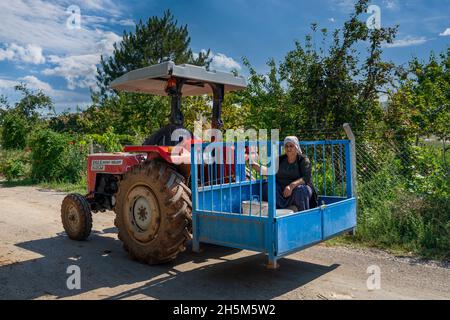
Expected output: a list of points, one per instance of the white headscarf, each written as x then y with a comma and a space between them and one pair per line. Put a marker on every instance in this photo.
294, 141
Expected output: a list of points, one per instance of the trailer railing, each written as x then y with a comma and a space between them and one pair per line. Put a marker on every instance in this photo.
224, 175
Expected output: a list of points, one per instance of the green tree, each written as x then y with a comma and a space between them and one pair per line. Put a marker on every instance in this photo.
152, 42
14, 130
323, 84
32, 103
421, 105
18, 120
56, 157
266, 100
157, 40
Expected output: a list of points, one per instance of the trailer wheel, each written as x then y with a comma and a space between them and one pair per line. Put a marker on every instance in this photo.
153, 213
76, 216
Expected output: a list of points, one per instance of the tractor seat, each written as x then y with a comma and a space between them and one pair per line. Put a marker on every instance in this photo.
163, 137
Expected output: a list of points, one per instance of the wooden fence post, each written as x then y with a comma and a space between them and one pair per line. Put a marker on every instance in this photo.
351, 137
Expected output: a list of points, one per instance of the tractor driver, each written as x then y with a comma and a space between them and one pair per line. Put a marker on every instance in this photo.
294, 187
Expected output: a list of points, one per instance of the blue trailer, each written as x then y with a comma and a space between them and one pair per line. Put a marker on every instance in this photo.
220, 187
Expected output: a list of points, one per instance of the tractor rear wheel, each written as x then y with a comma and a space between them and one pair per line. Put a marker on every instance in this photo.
153, 212
76, 216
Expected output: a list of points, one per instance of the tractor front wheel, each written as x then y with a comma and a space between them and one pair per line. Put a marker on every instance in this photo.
76, 216
153, 212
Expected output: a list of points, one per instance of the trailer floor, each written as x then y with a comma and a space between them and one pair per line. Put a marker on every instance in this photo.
35, 254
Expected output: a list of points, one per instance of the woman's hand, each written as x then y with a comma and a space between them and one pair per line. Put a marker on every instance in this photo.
253, 155
253, 159
287, 191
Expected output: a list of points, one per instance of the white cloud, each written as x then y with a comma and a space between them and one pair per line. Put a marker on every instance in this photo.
31, 81
348, 6
445, 33
93, 21
75, 53
124, 22
63, 99
30, 28
43, 23
34, 83
108, 6
391, 4
6, 54
220, 61
344, 5
407, 42
7, 83
80, 70
105, 45
29, 54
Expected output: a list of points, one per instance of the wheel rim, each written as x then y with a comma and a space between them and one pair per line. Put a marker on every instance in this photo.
73, 218
143, 215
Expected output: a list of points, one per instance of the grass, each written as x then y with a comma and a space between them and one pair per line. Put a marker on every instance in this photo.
351, 241
15, 183
394, 249
79, 187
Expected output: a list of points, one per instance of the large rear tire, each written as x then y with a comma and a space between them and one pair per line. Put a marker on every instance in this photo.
76, 216
153, 213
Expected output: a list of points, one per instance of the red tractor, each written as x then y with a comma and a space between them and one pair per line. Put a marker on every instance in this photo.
149, 193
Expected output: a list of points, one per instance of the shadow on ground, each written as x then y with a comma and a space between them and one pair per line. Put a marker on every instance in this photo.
104, 264
16, 183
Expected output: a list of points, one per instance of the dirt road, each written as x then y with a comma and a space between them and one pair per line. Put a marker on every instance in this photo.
35, 254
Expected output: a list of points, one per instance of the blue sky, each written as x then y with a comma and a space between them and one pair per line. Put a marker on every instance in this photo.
38, 48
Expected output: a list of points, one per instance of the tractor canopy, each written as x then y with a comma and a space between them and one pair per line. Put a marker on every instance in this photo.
154, 80
176, 81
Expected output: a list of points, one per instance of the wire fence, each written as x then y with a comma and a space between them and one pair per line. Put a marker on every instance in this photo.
382, 161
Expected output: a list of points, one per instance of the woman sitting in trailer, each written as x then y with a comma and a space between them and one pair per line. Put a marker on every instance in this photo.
294, 187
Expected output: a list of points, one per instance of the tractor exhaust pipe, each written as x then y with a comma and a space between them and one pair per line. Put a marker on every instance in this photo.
218, 94
173, 89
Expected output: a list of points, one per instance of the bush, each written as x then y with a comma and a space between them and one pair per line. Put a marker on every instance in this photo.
74, 157
61, 157
411, 212
426, 172
375, 198
56, 157
436, 217
14, 131
110, 141
14, 165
